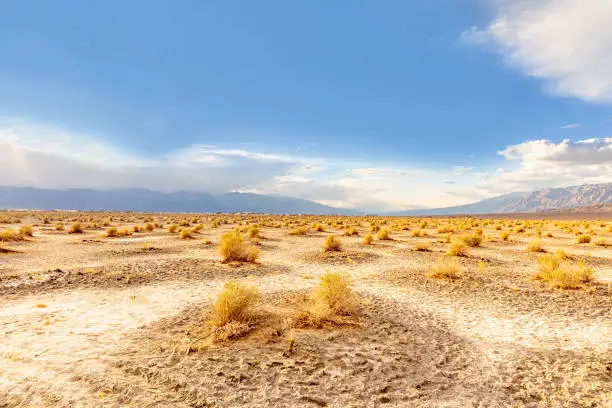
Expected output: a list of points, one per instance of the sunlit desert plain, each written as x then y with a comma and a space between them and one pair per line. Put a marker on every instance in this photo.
245, 310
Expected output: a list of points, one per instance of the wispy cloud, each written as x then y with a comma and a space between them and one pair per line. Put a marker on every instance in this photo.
570, 126
568, 43
40, 156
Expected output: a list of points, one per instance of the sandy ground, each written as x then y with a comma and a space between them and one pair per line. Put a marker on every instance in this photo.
87, 321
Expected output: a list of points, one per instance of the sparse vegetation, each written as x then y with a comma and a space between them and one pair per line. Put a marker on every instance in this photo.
330, 301
233, 248
457, 247
535, 246
332, 244
367, 239
383, 234
76, 228
446, 268
562, 273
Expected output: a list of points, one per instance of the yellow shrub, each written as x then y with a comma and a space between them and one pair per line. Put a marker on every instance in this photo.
26, 230
367, 239
535, 246
383, 234
457, 247
563, 274
76, 228
185, 233
332, 243
504, 235
172, 228
447, 268
236, 303
332, 298
233, 248
472, 240
584, 239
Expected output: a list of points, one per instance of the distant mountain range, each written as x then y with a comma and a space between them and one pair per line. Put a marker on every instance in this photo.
541, 200
152, 201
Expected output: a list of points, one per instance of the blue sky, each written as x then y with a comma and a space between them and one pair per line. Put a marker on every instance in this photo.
370, 104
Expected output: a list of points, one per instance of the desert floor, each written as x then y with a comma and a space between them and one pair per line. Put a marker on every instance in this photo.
90, 321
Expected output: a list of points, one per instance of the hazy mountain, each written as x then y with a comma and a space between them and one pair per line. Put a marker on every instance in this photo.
153, 201
559, 198
491, 205
541, 200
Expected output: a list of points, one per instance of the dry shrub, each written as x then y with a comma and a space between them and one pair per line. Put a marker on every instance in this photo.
185, 233
253, 232
422, 246
561, 273
76, 228
318, 228
26, 230
367, 239
472, 240
332, 244
601, 242
111, 232
535, 246
149, 227
330, 301
447, 268
583, 239
298, 231
11, 235
233, 248
383, 234
350, 231
59, 226
234, 310
457, 247
172, 228
504, 235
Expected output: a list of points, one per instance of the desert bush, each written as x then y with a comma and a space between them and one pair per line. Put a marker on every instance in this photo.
11, 235
76, 228
185, 233
149, 227
350, 231
601, 242
26, 230
253, 232
332, 243
422, 246
197, 228
172, 228
233, 248
457, 247
330, 300
472, 240
59, 226
136, 229
383, 234
318, 228
298, 231
111, 232
563, 274
583, 239
236, 302
504, 235
367, 239
447, 268
535, 246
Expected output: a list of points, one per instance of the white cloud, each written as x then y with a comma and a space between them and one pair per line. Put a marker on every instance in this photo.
570, 126
568, 43
44, 157
543, 163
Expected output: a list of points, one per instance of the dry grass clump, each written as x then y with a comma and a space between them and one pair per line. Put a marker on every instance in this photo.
233, 248
535, 246
504, 235
447, 268
472, 240
330, 302
298, 231
422, 246
350, 231
11, 236
111, 232
367, 239
318, 227
457, 247
234, 311
332, 244
383, 234
172, 228
253, 232
26, 230
583, 239
561, 273
601, 242
185, 233
76, 228
59, 226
